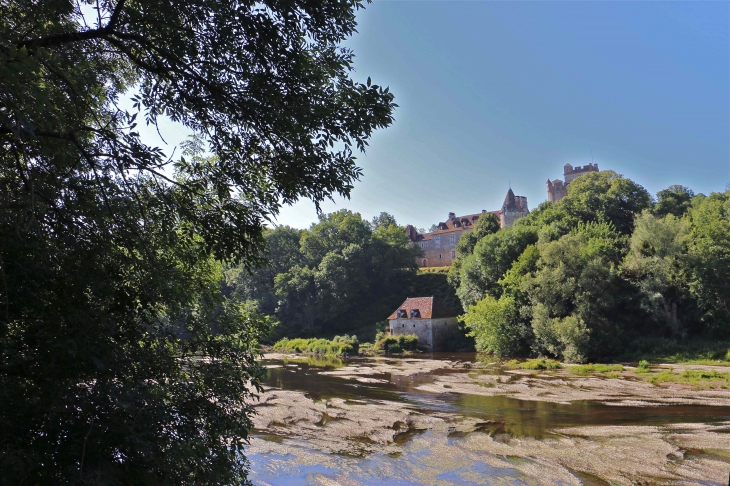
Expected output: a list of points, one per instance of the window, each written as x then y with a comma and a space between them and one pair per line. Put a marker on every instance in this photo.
452, 238
437, 241
453, 255
439, 257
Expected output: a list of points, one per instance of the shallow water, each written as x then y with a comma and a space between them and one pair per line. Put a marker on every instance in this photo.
502, 416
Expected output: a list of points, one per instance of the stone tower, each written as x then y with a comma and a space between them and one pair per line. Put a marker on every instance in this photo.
513, 208
557, 190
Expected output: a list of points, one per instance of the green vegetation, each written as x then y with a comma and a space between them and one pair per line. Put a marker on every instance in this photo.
534, 364
643, 367
605, 273
342, 275
433, 270
688, 351
699, 379
339, 346
588, 369
397, 344
122, 362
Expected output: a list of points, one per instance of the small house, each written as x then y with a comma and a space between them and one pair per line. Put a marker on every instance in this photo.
427, 318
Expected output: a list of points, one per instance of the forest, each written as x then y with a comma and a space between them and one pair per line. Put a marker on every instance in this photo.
604, 268
342, 275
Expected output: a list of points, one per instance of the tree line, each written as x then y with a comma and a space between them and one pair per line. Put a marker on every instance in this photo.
588, 276
342, 275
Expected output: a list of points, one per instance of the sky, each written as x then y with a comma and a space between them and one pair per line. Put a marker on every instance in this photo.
494, 94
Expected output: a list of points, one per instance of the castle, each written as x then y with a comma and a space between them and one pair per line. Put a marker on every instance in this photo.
439, 247
557, 190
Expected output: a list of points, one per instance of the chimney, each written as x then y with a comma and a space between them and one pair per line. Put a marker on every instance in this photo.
452, 216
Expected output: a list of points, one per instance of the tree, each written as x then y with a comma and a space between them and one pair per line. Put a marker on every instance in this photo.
581, 307
479, 273
606, 197
709, 248
355, 272
659, 265
257, 285
120, 361
674, 200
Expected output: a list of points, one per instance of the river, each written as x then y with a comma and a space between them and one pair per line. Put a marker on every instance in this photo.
453, 419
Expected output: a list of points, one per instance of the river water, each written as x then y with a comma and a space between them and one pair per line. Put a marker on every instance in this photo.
474, 435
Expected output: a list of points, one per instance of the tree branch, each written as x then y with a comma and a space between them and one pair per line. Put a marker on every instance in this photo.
66, 37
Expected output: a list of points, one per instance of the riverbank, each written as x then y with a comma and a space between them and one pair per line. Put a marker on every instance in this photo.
440, 421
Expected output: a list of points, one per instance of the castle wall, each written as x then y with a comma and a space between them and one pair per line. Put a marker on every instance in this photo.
440, 249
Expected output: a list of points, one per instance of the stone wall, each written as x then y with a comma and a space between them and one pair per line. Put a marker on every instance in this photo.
432, 333
439, 250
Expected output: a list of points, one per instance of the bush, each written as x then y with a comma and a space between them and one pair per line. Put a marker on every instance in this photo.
398, 344
408, 342
394, 348
496, 326
339, 346
534, 364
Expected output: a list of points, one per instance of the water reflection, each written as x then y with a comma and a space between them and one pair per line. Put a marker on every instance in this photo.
512, 416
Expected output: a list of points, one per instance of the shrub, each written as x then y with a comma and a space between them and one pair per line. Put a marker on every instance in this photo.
393, 344
496, 326
534, 364
339, 346
408, 342
394, 348
596, 368
643, 366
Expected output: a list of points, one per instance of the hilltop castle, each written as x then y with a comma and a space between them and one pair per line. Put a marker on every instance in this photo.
557, 190
439, 246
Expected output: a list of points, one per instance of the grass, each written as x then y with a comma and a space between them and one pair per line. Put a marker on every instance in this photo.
339, 346
691, 351
534, 364
700, 379
589, 369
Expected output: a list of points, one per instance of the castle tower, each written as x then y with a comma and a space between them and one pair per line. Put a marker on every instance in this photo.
513, 208
557, 190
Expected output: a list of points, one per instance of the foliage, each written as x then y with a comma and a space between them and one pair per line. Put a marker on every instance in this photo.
658, 263
709, 249
606, 197
341, 275
674, 200
588, 369
397, 344
120, 360
697, 350
592, 275
698, 379
478, 273
339, 346
496, 326
643, 366
486, 224
534, 364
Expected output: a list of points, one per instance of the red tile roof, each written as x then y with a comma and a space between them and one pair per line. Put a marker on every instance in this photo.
428, 307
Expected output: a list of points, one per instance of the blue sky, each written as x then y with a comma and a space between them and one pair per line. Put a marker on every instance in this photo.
493, 92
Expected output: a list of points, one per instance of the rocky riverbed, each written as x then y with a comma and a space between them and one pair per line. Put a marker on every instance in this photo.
458, 420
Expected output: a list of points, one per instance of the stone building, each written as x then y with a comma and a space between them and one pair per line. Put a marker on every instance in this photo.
439, 247
558, 189
427, 318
